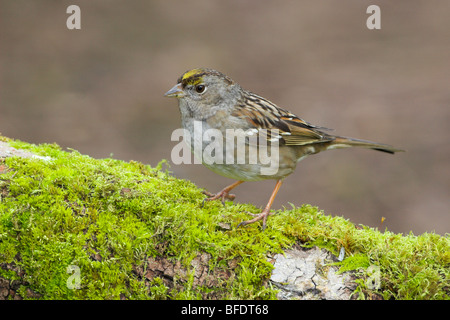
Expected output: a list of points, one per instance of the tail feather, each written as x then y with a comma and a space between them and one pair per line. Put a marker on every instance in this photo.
344, 142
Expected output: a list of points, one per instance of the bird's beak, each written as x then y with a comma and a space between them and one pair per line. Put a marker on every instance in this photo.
176, 91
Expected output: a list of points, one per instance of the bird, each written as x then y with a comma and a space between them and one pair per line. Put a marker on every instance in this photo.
211, 102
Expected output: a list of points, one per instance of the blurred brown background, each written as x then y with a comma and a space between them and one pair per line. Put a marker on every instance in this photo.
100, 90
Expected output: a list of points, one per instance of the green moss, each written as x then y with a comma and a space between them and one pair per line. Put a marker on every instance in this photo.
355, 262
108, 218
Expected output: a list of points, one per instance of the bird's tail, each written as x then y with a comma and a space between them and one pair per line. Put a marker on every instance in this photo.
345, 142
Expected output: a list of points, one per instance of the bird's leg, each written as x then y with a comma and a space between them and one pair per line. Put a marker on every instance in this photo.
224, 194
266, 212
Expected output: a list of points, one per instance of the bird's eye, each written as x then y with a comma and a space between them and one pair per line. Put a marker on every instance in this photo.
200, 88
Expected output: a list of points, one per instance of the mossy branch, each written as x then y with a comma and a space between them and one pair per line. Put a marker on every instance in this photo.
74, 227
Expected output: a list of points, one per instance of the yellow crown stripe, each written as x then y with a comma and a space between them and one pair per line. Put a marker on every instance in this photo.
192, 73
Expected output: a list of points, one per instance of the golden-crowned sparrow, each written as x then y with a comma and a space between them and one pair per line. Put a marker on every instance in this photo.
209, 100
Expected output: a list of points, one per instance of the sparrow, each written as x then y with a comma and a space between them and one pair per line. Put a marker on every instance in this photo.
209, 101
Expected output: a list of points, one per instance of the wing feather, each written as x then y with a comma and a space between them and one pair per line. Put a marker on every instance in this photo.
263, 114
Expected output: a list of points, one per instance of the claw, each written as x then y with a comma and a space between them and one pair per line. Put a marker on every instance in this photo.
208, 194
224, 194
221, 195
243, 223
263, 215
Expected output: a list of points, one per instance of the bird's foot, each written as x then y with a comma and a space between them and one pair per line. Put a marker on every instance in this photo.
224, 194
261, 216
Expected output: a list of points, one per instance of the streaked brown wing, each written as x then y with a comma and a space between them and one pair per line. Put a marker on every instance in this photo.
263, 114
